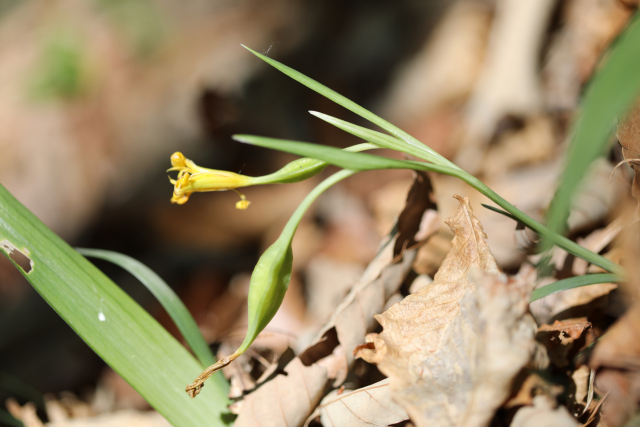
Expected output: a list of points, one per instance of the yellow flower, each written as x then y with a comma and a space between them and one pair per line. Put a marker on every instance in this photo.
193, 178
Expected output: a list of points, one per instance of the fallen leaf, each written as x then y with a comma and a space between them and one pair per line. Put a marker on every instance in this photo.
27, 414
597, 241
451, 350
508, 82
534, 143
559, 338
367, 406
629, 136
410, 221
616, 356
583, 394
543, 413
616, 359
533, 385
589, 27
286, 399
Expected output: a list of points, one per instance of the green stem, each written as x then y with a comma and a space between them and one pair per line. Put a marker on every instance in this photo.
290, 229
362, 161
557, 239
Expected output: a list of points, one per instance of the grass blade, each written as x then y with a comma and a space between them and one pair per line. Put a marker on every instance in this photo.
378, 138
352, 106
344, 159
165, 295
573, 282
610, 93
362, 161
109, 321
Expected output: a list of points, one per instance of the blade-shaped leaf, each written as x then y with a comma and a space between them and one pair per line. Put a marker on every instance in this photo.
344, 159
109, 321
165, 295
573, 282
350, 105
361, 161
378, 138
610, 93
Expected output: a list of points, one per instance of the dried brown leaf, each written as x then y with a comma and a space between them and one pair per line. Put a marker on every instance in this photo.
597, 241
27, 414
617, 361
367, 406
543, 413
559, 338
532, 386
452, 350
508, 83
616, 357
629, 137
285, 400
589, 27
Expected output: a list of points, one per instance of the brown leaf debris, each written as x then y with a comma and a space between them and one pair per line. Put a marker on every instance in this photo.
452, 349
629, 137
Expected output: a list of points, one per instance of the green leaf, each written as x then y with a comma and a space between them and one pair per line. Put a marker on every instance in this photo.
380, 139
352, 106
361, 161
165, 295
573, 282
609, 95
109, 321
344, 159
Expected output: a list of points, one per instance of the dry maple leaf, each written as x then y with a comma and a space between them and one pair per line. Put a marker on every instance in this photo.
451, 350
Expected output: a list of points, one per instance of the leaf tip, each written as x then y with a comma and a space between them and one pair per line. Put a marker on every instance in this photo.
241, 138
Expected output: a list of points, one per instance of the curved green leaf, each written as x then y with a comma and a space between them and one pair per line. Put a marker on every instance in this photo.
352, 106
573, 282
165, 295
362, 161
109, 321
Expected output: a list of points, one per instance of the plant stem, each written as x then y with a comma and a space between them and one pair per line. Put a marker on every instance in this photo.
555, 238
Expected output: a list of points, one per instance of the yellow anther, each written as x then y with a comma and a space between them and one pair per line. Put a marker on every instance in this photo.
181, 191
243, 203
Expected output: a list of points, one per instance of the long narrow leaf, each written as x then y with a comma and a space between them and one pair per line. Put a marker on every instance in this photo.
361, 161
573, 282
109, 321
609, 95
344, 159
378, 138
350, 105
165, 295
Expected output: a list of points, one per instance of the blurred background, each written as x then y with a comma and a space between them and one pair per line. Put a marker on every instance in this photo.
95, 95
